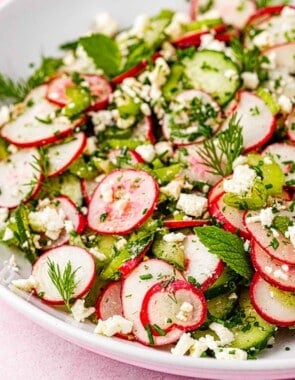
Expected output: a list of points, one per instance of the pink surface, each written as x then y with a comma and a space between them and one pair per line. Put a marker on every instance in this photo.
29, 352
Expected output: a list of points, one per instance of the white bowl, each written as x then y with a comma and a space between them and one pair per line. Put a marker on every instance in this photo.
28, 29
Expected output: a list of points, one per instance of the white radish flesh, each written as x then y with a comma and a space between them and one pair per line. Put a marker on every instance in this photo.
20, 177
283, 56
109, 302
203, 266
134, 289
81, 261
235, 12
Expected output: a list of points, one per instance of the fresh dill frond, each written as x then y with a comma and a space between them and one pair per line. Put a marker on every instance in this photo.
268, 3
41, 165
219, 153
12, 90
64, 281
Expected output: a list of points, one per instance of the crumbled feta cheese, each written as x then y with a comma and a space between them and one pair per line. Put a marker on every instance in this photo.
106, 24
27, 285
285, 268
288, 12
91, 145
285, 104
242, 180
240, 160
174, 29
231, 74
81, 62
266, 216
4, 115
120, 244
223, 333
146, 151
97, 254
208, 42
246, 245
250, 80
268, 269
48, 220
107, 192
140, 25
192, 204
233, 296
173, 237
164, 149
12, 148
113, 325
173, 188
102, 119
80, 312
263, 39
228, 353
68, 225
145, 109
185, 310
158, 77
197, 349
168, 51
8, 234
278, 273
183, 345
126, 122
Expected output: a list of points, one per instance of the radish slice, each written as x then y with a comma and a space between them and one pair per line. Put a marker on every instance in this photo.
189, 128
196, 170
122, 201
194, 38
235, 12
265, 13
203, 266
130, 157
290, 124
99, 87
256, 120
27, 130
284, 155
129, 265
143, 130
284, 250
274, 305
134, 288
19, 177
109, 303
173, 224
273, 271
283, 56
62, 155
193, 9
81, 261
215, 191
231, 218
179, 304
88, 188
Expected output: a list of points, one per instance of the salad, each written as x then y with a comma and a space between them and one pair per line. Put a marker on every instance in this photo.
148, 175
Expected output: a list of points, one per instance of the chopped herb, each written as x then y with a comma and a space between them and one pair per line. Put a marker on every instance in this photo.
149, 333
147, 276
159, 330
274, 243
103, 216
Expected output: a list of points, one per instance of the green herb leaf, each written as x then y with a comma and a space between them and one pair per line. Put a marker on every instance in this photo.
64, 282
226, 246
104, 52
12, 90
46, 69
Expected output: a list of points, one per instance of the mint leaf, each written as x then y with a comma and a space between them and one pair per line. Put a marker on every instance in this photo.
226, 246
104, 51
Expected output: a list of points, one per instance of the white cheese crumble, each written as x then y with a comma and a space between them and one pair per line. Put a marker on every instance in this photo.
48, 220
223, 333
113, 325
120, 243
228, 353
146, 151
106, 24
208, 42
285, 103
97, 254
185, 310
192, 204
278, 273
174, 29
27, 285
230, 74
8, 234
173, 237
140, 26
265, 217
183, 345
164, 149
242, 180
173, 188
158, 77
4, 115
263, 39
80, 312
250, 80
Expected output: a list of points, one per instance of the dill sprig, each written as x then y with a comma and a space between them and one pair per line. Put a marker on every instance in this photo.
13, 90
249, 59
41, 166
64, 281
219, 153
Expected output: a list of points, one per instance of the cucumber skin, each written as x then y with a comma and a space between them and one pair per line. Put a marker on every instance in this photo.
228, 281
206, 72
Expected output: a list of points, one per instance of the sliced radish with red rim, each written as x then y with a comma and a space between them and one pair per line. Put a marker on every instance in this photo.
81, 263
201, 265
274, 305
134, 289
122, 201
20, 177
178, 304
272, 270
63, 154
129, 265
194, 38
256, 120
277, 246
175, 224
143, 130
38, 124
122, 157
178, 126
231, 218
290, 124
283, 56
265, 13
284, 155
88, 188
109, 302
99, 87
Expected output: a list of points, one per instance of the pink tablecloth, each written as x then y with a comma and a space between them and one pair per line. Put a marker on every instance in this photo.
28, 352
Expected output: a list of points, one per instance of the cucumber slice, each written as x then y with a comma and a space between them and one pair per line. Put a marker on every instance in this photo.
206, 71
228, 281
222, 305
172, 252
251, 331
